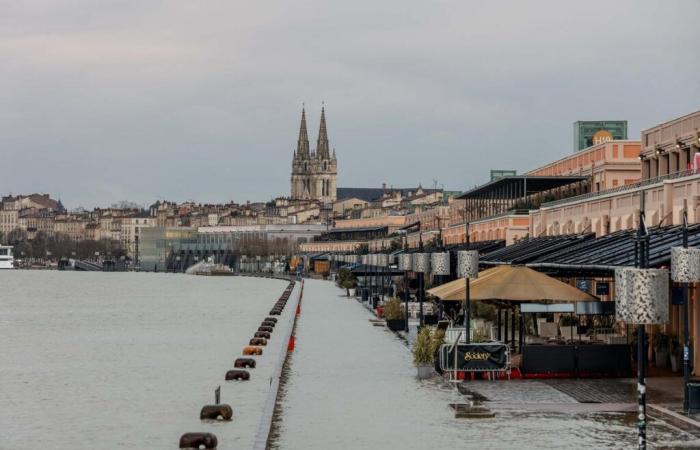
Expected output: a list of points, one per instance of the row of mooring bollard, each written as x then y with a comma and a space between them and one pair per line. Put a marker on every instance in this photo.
221, 411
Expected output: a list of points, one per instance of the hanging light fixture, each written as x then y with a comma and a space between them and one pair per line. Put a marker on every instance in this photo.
440, 263
685, 265
643, 295
468, 264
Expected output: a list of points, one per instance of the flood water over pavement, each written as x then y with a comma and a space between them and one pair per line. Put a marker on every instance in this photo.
353, 385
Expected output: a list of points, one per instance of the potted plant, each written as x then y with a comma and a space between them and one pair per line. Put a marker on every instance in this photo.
347, 281
425, 347
675, 353
568, 325
661, 346
394, 315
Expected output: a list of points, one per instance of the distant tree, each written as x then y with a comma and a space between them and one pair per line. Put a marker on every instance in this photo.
126, 204
20, 241
362, 249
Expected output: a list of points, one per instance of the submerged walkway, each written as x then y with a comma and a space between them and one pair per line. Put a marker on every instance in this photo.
353, 385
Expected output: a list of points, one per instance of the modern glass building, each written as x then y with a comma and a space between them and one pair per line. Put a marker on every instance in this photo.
594, 132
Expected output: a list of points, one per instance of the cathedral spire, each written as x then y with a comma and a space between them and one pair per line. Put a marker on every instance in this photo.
303, 141
322, 150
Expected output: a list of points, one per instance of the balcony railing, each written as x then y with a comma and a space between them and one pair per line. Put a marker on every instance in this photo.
623, 188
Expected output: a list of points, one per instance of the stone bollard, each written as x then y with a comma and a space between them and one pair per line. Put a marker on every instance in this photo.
216, 412
252, 350
258, 341
198, 440
237, 375
246, 363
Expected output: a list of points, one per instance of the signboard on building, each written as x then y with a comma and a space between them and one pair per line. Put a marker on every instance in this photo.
593, 132
498, 174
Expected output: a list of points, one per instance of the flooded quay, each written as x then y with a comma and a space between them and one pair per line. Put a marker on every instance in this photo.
353, 385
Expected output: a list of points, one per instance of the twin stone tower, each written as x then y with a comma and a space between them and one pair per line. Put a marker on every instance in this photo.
314, 173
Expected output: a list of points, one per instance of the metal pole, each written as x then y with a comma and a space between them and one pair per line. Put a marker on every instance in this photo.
521, 331
498, 332
641, 388
467, 294
641, 354
421, 280
686, 326
512, 329
406, 294
383, 272
420, 296
405, 280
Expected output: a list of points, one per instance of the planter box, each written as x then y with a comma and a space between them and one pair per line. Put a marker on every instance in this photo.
396, 324
430, 319
567, 332
425, 371
675, 363
661, 358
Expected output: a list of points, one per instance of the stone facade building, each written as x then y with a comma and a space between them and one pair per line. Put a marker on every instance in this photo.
314, 173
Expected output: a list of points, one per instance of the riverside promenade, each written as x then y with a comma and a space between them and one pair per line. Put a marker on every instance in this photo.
350, 384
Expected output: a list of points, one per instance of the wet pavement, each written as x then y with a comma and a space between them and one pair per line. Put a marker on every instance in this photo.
352, 385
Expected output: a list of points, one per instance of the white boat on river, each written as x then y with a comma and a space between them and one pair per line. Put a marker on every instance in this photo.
6, 258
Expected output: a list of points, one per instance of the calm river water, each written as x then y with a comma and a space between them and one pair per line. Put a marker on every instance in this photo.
127, 360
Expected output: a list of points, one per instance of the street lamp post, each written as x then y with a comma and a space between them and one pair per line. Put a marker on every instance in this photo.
686, 327
467, 300
641, 298
685, 269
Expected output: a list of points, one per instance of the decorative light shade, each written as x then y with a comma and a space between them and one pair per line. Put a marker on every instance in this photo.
421, 262
382, 260
440, 263
405, 262
468, 264
642, 295
685, 265
621, 297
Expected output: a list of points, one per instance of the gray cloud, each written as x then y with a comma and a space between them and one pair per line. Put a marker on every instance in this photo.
110, 100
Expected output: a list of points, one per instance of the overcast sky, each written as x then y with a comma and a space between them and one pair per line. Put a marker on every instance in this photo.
111, 100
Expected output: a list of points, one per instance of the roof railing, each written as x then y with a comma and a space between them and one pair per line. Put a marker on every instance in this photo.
623, 188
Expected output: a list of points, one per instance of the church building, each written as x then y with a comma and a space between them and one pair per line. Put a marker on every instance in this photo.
314, 173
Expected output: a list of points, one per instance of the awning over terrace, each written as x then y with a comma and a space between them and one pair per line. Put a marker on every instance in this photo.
512, 284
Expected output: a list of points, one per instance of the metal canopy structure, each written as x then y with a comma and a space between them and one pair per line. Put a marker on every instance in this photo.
618, 249
347, 234
531, 249
483, 247
576, 255
507, 193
